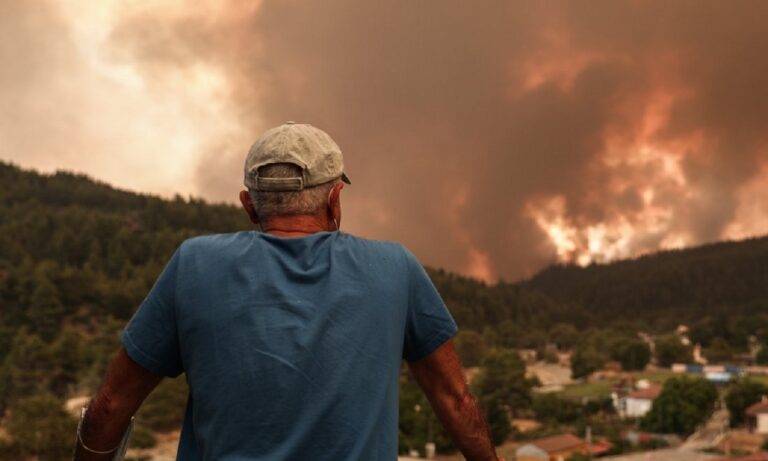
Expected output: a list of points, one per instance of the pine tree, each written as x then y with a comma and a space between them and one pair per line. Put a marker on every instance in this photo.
46, 311
585, 360
28, 366
69, 361
502, 381
497, 417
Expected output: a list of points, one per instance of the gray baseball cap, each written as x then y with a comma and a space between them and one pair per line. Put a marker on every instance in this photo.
303, 145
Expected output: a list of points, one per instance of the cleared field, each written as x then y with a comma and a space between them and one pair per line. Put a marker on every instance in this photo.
760, 379
602, 388
657, 376
589, 390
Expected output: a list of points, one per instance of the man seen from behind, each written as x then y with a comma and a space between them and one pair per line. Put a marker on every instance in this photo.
291, 336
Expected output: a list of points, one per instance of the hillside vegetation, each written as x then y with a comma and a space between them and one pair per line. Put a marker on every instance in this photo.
78, 256
720, 290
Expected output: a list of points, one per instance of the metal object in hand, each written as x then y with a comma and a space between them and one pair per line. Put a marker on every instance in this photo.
119, 450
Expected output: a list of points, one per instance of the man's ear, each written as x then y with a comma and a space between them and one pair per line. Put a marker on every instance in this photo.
245, 200
334, 203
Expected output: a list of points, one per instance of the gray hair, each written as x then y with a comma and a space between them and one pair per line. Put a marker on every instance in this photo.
307, 201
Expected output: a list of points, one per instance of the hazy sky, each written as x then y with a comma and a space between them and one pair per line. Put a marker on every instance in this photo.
490, 137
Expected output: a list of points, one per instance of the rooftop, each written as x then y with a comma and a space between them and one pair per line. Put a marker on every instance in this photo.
758, 408
649, 393
600, 447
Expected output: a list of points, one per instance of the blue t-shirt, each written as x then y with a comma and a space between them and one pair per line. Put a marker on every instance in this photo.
291, 346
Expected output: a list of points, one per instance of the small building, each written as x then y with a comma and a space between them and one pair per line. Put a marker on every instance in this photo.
554, 448
757, 417
713, 369
694, 368
523, 425
758, 370
679, 368
637, 403
600, 448
717, 374
719, 377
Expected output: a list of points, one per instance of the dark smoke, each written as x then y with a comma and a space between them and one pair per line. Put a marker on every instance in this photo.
468, 126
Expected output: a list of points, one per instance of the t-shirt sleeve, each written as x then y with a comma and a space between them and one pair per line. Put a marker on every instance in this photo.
151, 337
428, 322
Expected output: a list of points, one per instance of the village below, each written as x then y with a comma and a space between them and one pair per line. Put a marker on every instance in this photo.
662, 357
651, 398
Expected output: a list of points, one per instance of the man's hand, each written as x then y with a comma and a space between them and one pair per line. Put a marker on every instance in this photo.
125, 387
442, 380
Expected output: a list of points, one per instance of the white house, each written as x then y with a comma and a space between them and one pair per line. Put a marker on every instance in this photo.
638, 402
757, 417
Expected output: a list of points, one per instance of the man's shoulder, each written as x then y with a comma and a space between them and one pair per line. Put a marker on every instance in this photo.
383, 246
386, 246
214, 242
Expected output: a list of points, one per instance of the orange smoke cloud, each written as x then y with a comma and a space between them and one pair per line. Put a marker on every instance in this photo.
489, 140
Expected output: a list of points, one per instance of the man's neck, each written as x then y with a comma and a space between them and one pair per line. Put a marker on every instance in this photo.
296, 226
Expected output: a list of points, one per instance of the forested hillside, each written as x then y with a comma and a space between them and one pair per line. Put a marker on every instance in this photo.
720, 290
78, 256
76, 259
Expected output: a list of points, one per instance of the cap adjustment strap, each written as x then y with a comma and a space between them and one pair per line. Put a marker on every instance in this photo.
279, 184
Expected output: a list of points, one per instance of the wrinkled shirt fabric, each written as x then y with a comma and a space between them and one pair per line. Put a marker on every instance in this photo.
292, 347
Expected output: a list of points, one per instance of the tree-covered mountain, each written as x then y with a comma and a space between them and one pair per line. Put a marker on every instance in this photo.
720, 290
71, 245
694, 279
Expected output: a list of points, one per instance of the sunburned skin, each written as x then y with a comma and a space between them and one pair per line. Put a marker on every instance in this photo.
124, 388
441, 377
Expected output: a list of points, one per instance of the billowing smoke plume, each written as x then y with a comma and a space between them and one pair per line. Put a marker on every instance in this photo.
489, 137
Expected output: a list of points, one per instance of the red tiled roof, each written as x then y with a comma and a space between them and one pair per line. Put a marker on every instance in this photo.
649, 393
758, 408
557, 442
600, 447
644, 394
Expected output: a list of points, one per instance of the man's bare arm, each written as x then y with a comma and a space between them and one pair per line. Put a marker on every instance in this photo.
125, 387
442, 380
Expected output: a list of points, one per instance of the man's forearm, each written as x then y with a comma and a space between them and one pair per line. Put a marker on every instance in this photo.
463, 418
102, 429
441, 377
124, 388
